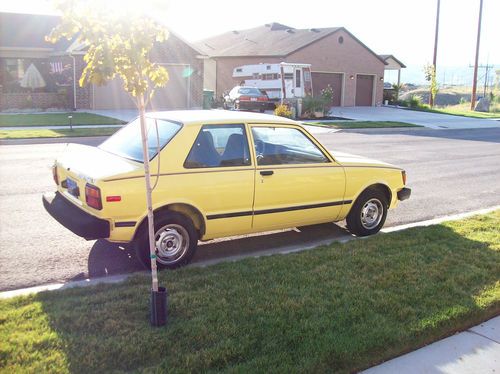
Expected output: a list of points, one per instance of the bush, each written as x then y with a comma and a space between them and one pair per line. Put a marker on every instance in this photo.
311, 105
327, 96
415, 101
283, 110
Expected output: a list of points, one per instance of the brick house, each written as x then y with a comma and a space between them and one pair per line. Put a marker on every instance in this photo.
22, 43
336, 56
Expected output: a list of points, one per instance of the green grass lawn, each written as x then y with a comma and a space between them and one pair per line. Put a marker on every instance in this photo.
465, 113
338, 308
55, 119
77, 132
361, 124
459, 110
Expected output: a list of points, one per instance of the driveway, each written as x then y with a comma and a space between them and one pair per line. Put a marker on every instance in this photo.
431, 120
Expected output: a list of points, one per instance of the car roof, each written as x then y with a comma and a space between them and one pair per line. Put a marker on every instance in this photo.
217, 116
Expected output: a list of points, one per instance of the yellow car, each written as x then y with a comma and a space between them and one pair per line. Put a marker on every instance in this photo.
216, 173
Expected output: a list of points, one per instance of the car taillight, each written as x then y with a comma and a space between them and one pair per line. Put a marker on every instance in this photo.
93, 196
54, 174
403, 174
244, 98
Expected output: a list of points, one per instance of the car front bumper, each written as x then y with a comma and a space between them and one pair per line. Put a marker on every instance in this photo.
75, 219
404, 194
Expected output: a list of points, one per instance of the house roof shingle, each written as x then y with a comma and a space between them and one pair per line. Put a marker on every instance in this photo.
272, 39
28, 31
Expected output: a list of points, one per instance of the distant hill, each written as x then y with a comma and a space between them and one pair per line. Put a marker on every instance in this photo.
446, 75
445, 96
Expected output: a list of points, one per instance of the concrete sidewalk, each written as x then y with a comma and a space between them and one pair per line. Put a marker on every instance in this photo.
476, 350
427, 119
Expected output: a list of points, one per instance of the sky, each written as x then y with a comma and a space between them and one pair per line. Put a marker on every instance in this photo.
404, 28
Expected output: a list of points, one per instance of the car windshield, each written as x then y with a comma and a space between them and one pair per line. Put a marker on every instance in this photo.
127, 142
249, 91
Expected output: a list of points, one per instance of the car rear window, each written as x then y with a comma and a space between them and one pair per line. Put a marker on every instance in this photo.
127, 142
250, 91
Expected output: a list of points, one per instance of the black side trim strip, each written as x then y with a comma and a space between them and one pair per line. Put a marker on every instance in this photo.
278, 210
312, 206
230, 215
125, 224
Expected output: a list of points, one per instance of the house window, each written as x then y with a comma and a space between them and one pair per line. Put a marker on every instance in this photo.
297, 78
268, 67
15, 68
307, 75
288, 75
239, 70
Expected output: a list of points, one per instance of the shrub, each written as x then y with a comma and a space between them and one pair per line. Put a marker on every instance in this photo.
283, 110
327, 96
415, 101
311, 105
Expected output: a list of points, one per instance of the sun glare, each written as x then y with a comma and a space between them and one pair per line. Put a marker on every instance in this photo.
152, 8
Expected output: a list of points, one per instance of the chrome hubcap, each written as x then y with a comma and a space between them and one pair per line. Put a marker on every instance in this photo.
171, 242
372, 213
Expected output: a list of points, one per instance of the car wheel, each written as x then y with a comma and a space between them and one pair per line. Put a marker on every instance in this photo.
176, 241
368, 214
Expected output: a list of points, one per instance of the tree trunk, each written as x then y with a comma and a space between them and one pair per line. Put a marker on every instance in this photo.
149, 203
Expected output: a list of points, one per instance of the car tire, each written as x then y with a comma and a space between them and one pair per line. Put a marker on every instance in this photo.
176, 241
368, 214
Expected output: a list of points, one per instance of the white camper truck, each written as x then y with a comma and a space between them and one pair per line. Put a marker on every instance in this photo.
280, 81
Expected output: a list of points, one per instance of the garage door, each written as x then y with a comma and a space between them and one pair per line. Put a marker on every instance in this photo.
364, 90
322, 80
173, 96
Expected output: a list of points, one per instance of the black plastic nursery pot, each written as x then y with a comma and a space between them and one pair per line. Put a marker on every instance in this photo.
159, 307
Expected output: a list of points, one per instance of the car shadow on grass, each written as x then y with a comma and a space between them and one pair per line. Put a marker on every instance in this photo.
342, 308
106, 259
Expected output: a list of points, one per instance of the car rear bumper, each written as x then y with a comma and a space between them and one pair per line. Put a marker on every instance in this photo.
252, 105
404, 194
75, 219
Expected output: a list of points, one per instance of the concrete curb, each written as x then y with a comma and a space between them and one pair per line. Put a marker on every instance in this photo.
285, 250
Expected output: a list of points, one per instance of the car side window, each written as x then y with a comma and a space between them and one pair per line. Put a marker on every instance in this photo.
219, 146
284, 145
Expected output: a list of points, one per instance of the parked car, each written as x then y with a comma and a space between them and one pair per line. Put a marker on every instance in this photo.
246, 98
217, 173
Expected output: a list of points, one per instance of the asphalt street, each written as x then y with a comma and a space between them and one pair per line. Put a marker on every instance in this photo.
449, 171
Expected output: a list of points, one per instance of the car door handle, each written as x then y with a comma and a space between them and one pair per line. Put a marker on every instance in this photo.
266, 172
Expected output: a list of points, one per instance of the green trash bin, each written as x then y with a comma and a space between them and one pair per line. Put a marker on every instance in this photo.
208, 99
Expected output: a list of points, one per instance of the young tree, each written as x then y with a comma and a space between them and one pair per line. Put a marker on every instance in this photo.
118, 44
430, 76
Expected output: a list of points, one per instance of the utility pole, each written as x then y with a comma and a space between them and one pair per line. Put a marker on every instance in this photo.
431, 99
474, 80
